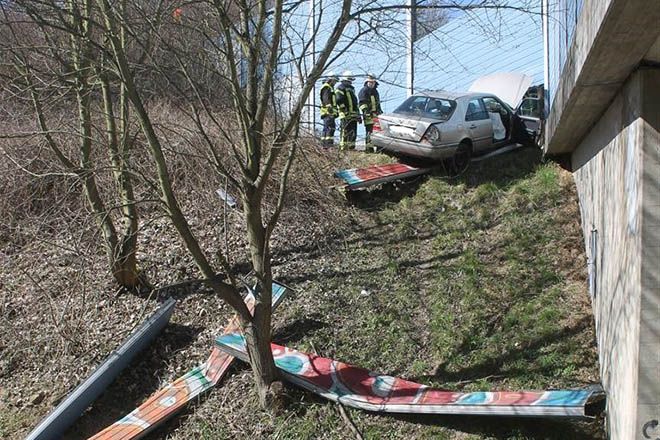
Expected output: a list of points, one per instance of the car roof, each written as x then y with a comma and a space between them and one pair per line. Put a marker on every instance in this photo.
450, 95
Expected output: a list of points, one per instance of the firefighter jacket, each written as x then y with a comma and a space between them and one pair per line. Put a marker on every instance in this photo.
347, 102
328, 100
370, 103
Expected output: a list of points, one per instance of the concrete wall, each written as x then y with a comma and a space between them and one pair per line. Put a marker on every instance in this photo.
649, 334
610, 40
617, 173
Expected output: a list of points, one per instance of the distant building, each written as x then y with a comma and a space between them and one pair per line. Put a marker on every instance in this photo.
604, 122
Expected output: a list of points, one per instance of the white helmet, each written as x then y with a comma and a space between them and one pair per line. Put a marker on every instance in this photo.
332, 76
347, 76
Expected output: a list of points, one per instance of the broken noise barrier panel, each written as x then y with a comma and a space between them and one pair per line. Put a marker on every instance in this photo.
367, 390
362, 177
166, 402
356, 178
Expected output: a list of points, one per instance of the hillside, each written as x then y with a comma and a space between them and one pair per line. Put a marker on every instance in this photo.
473, 283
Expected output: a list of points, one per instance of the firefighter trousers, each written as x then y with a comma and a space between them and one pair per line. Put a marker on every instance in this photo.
328, 134
348, 134
368, 145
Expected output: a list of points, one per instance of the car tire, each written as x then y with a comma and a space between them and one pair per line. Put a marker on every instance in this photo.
461, 159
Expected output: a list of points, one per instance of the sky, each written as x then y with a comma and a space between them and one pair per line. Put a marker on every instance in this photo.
470, 45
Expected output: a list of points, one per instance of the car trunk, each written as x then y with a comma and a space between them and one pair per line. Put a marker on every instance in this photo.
410, 128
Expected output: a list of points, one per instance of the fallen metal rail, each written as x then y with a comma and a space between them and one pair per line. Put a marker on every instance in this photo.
84, 394
169, 400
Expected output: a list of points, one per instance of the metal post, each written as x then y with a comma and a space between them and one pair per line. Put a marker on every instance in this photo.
410, 61
311, 100
546, 50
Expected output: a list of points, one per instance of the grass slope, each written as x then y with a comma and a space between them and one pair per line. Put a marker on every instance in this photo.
474, 283
469, 284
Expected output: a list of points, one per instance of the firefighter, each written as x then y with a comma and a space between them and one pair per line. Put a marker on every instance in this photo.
328, 110
349, 114
370, 107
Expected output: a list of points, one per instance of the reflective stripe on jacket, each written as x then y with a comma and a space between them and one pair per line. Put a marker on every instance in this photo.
370, 103
347, 102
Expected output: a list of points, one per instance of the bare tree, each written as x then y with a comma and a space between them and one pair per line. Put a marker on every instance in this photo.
51, 53
240, 47
237, 31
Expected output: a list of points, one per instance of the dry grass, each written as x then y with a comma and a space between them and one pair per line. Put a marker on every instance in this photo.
61, 314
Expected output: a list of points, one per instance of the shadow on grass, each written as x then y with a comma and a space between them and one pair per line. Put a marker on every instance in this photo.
299, 329
511, 427
136, 383
420, 264
504, 169
372, 236
493, 365
387, 193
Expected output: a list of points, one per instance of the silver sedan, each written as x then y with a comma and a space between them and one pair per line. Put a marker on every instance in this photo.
441, 125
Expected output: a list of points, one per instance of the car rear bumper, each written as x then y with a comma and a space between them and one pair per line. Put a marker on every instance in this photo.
416, 149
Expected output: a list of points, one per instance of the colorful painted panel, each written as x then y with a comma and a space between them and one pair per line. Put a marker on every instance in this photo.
176, 395
362, 177
364, 389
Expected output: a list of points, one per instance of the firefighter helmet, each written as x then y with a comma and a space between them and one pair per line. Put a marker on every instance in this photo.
347, 76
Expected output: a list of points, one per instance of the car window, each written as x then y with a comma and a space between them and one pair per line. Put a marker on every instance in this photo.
413, 105
530, 107
438, 108
476, 111
494, 105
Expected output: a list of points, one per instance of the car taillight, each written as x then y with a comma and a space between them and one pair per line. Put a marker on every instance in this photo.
377, 126
432, 135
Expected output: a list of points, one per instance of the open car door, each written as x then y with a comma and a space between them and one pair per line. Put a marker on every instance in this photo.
511, 87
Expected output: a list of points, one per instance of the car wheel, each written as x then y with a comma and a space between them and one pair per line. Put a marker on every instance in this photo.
461, 158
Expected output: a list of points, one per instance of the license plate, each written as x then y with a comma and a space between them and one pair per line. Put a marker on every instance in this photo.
399, 130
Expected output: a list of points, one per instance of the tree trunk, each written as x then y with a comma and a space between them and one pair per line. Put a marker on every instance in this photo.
257, 340
258, 331
124, 269
124, 258
121, 252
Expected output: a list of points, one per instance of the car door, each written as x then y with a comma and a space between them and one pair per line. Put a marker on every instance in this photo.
500, 117
479, 125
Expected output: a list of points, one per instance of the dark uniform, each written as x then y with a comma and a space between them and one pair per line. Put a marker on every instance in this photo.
370, 106
349, 114
328, 113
